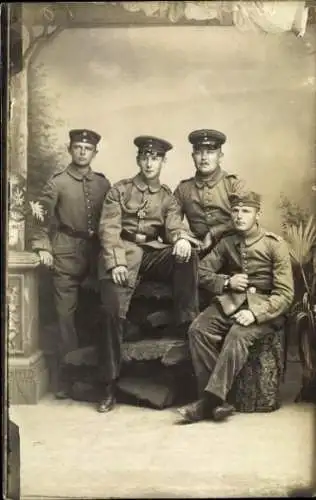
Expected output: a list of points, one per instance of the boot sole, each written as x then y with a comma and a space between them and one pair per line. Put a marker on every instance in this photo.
222, 414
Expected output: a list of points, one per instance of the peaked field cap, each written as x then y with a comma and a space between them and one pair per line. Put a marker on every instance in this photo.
246, 198
149, 143
84, 135
207, 137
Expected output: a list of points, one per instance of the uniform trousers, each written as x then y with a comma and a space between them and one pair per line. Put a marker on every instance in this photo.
70, 269
220, 346
156, 265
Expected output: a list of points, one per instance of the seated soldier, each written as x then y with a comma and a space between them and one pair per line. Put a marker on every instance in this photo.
203, 199
251, 299
142, 234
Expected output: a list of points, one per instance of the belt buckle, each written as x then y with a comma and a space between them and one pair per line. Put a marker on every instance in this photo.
252, 289
140, 238
90, 233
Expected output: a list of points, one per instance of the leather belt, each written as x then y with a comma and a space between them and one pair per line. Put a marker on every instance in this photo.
252, 289
85, 235
136, 237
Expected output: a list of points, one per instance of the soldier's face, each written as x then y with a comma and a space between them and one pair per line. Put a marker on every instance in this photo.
206, 160
82, 153
244, 218
150, 165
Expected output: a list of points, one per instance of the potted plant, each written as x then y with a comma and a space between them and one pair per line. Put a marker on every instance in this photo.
299, 229
20, 208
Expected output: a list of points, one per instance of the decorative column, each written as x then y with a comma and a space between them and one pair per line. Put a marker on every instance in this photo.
28, 373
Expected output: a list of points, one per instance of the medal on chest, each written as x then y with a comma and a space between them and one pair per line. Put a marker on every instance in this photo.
142, 210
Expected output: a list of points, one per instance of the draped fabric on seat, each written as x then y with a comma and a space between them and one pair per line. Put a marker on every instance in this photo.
257, 386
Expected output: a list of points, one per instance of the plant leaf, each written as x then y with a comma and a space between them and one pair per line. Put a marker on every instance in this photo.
301, 238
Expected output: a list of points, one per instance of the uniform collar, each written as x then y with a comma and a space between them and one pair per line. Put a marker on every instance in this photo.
143, 186
256, 236
211, 181
76, 173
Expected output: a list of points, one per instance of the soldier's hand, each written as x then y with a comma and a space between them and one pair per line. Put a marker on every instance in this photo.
244, 317
120, 275
46, 258
238, 282
182, 250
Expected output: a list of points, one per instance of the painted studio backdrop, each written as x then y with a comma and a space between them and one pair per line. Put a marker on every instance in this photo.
256, 83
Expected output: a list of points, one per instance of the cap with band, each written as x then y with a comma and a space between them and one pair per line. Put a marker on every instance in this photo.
150, 144
248, 199
212, 139
84, 135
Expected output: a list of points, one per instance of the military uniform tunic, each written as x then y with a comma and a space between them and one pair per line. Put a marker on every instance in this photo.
73, 203
133, 206
205, 203
219, 345
138, 227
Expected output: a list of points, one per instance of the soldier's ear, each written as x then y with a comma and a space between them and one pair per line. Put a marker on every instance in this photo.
258, 214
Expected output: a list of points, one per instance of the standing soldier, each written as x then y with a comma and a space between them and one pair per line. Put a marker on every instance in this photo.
74, 198
141, 234
251, 274
204, 198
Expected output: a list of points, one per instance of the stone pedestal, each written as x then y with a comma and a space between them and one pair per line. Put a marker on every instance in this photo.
28, 373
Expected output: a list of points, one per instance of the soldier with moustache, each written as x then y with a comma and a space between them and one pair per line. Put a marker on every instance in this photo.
250, 274
73, 200
142, 236
204, 198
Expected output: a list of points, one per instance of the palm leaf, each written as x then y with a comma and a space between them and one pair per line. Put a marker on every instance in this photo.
305, 301
301, 238
300, 316
307, 353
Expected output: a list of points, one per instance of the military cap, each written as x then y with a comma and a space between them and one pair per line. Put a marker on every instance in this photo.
212, 139
246, 198
150, 144
84, 135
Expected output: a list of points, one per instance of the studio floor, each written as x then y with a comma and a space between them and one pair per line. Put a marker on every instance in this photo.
70, 450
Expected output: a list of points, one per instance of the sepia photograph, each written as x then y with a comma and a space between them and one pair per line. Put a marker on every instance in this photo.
160, 273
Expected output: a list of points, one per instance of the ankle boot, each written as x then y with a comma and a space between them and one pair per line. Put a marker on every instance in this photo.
107, 398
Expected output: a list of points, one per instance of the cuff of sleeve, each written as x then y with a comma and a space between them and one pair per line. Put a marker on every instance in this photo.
219, 283
260, 315
181, 235
45, 247
118, 258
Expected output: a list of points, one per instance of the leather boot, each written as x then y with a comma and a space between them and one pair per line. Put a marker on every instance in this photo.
220, 410
60, 384
194, 412
107, 399
223, 411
